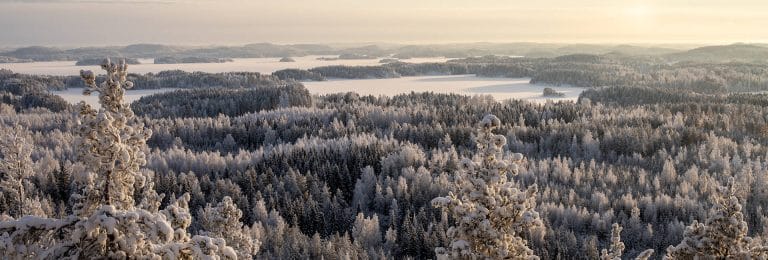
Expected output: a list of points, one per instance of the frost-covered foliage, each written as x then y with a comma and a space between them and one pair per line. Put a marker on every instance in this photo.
15, 168
640, 157
723, 235
112, 143
106, 222
617, 247
491, 213
223, 220
366, 231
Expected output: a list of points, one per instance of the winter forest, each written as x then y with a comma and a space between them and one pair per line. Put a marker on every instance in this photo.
653, 161
397, 129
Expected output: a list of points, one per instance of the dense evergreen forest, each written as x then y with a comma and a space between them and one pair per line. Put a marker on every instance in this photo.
650, 148
579, 70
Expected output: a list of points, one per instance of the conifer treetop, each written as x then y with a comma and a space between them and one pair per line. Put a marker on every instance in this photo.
112, 142
722, 235
491, 213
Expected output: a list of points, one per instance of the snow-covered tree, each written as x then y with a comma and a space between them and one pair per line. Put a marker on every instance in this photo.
107, 223
112, 142
723, 235
15, 168
617, 247
490, 212
366, 231
223, 220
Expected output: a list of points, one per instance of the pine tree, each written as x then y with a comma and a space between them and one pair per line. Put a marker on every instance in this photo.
63, 180
617, 247
723, 235
112, 141
106, 222
15, 168
365, 232
223, 220
491, 213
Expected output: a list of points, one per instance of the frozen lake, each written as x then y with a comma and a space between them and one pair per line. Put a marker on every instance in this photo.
75, 95
261, 65
499, 88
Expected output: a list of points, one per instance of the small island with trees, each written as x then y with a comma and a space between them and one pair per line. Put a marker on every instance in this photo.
177, 60
549, 92
98, 61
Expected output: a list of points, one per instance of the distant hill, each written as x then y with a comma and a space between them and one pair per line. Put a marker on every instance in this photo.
257, 50
38, 53
673, 53
589, 58
149, 50
4, 59
638, 50
723, 53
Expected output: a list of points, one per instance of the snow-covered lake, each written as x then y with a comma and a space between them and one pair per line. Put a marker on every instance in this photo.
261, 65
499, 88
75, 95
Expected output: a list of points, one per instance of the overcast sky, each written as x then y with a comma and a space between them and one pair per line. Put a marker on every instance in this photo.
229, 22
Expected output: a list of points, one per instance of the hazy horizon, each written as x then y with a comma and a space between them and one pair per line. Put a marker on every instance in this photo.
236, 22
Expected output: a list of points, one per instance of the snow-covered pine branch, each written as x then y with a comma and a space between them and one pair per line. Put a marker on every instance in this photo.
223, 220
491, 213
15, 168
106, 222
617, 247
723, 235
112, 141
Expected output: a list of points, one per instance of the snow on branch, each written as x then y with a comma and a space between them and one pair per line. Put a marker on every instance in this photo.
491, 213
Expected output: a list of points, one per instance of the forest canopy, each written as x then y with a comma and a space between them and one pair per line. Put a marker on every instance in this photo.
661, 157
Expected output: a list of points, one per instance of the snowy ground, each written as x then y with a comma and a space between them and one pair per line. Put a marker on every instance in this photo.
75, 95
262, 65
499, 88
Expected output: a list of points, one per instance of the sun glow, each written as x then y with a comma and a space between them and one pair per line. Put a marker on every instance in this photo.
639, 11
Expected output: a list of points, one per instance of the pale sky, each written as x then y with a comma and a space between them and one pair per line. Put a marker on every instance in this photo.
234, 22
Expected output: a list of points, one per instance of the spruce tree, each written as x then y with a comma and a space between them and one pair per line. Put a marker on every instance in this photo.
107, 223
723, 235
491, 214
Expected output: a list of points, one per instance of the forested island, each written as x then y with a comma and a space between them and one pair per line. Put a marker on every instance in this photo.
177, 60
653, 156
549, 92
579, 70
97, 61
4, 59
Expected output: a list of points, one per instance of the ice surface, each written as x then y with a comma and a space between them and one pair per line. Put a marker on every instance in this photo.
75, 95
499, 88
